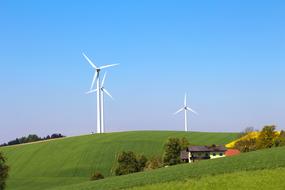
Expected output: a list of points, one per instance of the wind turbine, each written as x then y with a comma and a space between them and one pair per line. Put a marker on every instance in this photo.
185, 108
97, 79
103, 90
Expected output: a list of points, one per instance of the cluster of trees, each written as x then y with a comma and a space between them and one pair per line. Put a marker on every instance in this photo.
3, 171
32, 138
130, 162
268, 137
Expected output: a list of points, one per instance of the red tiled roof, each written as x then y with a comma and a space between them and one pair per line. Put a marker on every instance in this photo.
232, 152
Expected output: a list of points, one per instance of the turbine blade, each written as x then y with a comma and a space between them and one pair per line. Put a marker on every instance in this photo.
89, 61
180, 110
104, 90
106, 66
94, 79
91, 91
193, 111
103, 81
185, 100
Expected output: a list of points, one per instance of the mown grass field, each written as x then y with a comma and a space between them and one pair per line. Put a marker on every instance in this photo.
253, 161
260, 179
71, 160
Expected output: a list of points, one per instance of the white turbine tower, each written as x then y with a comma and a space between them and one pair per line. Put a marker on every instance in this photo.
103, 90
185, 108
97, 79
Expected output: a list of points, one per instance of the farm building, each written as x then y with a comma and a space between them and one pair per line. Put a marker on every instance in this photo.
194, 153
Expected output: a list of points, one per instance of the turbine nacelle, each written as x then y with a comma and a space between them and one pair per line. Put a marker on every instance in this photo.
97, 69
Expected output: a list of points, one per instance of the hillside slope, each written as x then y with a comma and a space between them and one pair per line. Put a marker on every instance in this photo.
72, 160
263, 159
259, 180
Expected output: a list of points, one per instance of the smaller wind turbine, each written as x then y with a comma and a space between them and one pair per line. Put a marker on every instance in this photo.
103, 90
185, 108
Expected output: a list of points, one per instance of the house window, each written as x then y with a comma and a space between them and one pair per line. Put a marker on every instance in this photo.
214, 154
221, 154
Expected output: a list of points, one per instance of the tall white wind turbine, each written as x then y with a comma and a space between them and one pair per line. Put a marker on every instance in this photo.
103, 91
185, 108
97, 79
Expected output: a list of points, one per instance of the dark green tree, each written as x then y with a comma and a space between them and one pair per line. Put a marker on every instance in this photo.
3, 172
172, 150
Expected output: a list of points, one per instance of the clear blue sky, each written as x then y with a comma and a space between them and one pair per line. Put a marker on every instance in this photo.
228, 55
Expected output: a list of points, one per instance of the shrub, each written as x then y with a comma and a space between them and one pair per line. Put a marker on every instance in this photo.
96, 176
142, 160
129, 162
280, 140
267, 137
154, 163
3, 171
246, 145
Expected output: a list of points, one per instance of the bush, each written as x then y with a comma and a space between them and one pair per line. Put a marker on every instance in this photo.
3, 172
280, 140
246, 145
154, 163
142, 160
96, 176
129, 162
267, 137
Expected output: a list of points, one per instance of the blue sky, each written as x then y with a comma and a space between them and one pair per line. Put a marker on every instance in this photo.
227, 55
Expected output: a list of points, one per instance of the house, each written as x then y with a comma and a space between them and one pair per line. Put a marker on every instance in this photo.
195, 153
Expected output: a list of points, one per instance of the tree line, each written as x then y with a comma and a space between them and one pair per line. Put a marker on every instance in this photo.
130, 162
268, 137
32, 138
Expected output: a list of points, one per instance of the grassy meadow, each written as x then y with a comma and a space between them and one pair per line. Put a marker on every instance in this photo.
71, 160
260, 179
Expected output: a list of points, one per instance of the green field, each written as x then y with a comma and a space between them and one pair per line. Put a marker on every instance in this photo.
71, 160
258, 160
260, 179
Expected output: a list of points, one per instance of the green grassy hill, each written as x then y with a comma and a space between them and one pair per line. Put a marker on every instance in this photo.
71, 160
260, 179
269, 159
